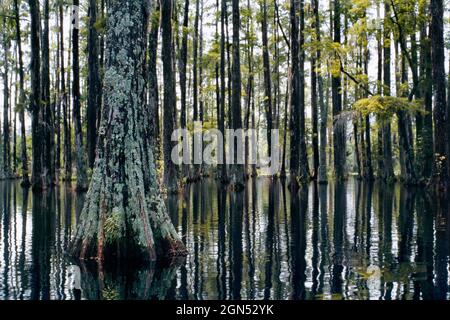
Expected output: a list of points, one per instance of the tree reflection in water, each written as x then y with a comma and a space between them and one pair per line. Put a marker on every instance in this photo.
337, 241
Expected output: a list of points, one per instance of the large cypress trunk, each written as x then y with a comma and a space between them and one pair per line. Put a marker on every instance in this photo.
124, 215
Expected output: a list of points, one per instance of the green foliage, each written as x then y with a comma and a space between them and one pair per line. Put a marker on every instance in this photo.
386, 107
112, 226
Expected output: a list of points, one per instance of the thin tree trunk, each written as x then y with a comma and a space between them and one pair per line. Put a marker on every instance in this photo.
183, 73
65, 107
153, 99
23, 153
339, 140
94, 98
267, 76
441, 142
6, 135
388, 168
35, 103
81, 159
223, 17
170, 172
237, 173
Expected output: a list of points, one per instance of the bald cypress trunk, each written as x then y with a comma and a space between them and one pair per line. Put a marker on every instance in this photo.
303, 166
47, 116
323, 110
94, 97
81, 160
223, 17
6, 135
339, 141
294, 95
124, 216
23, 152
237, 168
153, 96
35, 99
170, 172
388, 168
64, 100
267, 76
441, 143
183, 73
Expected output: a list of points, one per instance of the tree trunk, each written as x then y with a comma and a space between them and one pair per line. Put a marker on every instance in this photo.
425, 129
183, 73
82, 183
23, 153
94, 98
267, 77
339, 140
35, 100
65, 107
133, 224
388, 168
441, 143
170, 172
322, 170
6, 94
153, 99
223, 13
237, 172
294, 96
47, 121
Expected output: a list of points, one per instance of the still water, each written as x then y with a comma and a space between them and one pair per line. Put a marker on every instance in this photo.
341, 241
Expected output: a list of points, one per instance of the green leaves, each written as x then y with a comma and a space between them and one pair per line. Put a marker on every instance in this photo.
386, 107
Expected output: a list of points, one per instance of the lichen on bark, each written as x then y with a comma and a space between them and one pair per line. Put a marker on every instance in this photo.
124, 196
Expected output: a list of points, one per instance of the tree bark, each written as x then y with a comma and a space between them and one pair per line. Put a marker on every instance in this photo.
47, 116
237, 170
35, 100
223, 17
80, 152
339, 140
23, 153
6, 94
441, 143
170, 172
94, 98
133, 224
322, 170
65, 106
267, 77
153, 96
388, 168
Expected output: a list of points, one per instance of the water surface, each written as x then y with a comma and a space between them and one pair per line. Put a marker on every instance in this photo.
341, 241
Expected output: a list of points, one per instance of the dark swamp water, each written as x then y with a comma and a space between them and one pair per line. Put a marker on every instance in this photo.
349, 241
